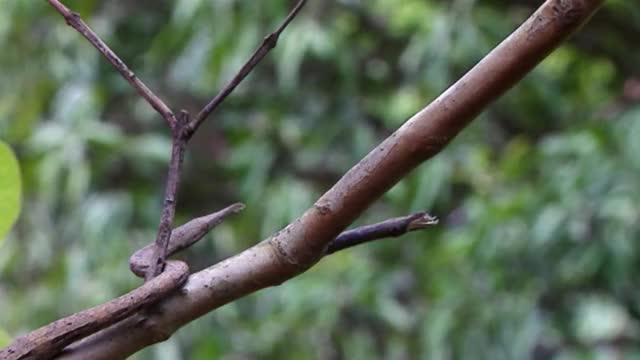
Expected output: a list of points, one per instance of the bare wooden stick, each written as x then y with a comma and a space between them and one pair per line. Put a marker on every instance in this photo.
301, 244
73, 19
269, 42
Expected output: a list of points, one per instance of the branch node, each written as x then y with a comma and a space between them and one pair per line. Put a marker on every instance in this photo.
72, 17
271, 40
291, 261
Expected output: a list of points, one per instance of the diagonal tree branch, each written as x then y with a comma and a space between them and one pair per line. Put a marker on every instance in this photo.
268, 43
73, 19
304, 242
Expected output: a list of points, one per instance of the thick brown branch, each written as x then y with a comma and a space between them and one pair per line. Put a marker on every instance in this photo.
389, 228
73, 19
269, 42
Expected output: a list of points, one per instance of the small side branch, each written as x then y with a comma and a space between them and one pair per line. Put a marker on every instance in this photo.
73, 19
269, 42
389, 228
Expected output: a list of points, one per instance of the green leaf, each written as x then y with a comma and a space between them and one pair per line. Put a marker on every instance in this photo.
5, 339
10, 189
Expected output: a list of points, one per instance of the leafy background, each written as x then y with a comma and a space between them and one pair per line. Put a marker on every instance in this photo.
537, 253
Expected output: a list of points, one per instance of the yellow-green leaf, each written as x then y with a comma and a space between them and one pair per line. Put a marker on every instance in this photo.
5, 339
10, 189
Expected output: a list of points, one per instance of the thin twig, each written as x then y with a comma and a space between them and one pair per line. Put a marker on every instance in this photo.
73, 19
388, 228
179, 145
269, 42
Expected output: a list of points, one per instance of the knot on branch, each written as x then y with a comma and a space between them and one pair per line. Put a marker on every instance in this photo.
72, 18
570, 12
293, 259
271, 40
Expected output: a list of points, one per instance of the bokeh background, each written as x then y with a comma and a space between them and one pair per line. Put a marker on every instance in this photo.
537, 255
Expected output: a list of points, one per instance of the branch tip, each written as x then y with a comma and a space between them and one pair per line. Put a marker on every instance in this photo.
422, 221
389, 228
268, 42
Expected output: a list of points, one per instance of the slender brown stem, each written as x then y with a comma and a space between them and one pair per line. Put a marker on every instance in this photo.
269, 42
73, 19
179, 144
389, 228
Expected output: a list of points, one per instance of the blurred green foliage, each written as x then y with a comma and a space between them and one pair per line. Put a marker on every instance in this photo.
537, 254
10, 189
